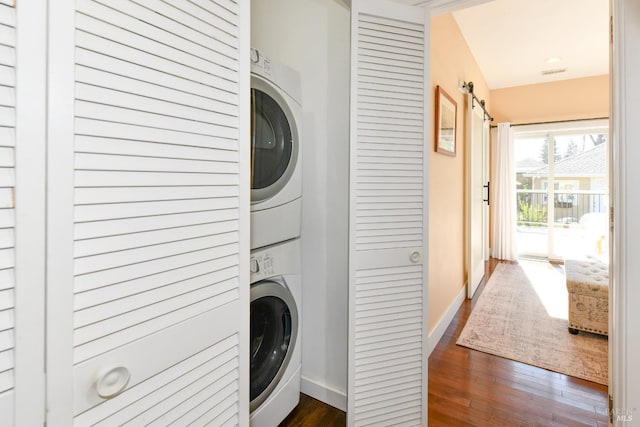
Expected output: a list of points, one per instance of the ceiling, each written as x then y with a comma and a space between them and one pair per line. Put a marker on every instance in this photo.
511, 40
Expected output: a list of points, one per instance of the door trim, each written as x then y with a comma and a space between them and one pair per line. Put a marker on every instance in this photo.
59, 253
30, 167
623, 292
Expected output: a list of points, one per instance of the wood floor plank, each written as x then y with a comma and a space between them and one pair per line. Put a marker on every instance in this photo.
471, 388
506, 392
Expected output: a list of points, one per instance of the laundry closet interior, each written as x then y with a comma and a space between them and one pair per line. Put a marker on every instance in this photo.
199, 222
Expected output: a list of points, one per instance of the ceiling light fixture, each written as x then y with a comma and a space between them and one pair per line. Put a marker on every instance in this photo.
553, 60
553, 71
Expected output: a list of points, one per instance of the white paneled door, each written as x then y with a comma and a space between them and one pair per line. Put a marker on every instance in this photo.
148, 213
477, 136
388, 215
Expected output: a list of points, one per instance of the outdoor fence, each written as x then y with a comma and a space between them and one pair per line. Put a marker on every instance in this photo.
569, 207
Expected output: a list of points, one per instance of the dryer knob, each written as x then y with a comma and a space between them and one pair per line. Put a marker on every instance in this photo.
254, 266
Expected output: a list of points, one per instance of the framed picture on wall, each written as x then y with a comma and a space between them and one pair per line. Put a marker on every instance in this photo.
446, 109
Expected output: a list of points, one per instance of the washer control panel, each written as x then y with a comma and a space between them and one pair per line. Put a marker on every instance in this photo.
261, 267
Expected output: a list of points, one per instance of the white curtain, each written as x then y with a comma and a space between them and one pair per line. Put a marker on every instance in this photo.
503, 194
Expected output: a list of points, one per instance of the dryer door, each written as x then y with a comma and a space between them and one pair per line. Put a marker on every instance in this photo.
274, 327
274, 141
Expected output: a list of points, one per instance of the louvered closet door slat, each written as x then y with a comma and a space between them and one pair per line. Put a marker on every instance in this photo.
142, 11
7, 228
140, 76
387, 349
108, 244
151, 298
171, 108
127, 36
136, 211
116, 11
130, 147
125, 113
86, 196
126, 132
159, 213
207, 11
137, 291
133, 272
133, 225
155, 90
91, 161
89, 41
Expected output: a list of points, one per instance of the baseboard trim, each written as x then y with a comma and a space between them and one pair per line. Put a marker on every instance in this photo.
445, 320
324, 393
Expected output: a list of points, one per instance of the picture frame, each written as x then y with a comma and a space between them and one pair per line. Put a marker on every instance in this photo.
445, 123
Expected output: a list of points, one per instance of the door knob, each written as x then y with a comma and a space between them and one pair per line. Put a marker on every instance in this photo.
415, 257
112, 382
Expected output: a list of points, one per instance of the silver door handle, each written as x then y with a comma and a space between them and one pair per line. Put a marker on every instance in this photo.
415, 257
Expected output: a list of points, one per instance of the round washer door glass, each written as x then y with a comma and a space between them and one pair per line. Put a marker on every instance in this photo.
274, 323
272, 146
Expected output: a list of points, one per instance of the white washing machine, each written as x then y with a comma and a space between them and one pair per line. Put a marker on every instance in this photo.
276, 156
276, 348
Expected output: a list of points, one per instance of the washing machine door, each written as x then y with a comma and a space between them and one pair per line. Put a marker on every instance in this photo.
274, 140
274, 328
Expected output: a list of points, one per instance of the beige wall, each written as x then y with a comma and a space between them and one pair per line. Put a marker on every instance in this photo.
451, 62
584, 98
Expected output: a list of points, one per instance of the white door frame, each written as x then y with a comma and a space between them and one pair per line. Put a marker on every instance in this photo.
624, 292
30, 162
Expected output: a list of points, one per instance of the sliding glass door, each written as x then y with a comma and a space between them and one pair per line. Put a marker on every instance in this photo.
562, 190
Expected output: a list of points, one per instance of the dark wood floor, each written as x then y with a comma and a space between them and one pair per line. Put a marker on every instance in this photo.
471, 388
468, 387
311, 413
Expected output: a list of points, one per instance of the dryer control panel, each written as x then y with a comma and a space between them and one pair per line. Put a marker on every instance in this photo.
261, 267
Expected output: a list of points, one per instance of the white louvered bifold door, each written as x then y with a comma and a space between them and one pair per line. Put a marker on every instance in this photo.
388, 216
157, 173
7, 213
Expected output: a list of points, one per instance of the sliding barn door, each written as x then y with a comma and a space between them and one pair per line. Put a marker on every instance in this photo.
148, 213
477, 137
388, 215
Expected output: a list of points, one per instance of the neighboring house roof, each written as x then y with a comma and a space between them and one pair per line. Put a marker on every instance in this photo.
589, 163
528, 165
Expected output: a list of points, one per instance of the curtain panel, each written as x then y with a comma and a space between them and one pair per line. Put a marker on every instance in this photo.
503, 179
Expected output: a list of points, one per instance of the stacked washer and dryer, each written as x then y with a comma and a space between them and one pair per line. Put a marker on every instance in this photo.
276, 201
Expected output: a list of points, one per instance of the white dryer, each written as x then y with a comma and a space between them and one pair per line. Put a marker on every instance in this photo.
276, 155
276, 348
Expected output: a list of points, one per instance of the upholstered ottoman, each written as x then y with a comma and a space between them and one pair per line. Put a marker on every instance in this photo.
588, 287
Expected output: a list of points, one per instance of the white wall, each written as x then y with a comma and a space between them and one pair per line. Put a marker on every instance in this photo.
312, 36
